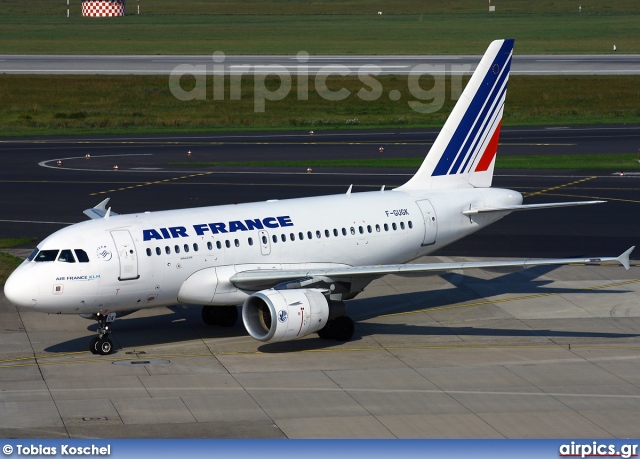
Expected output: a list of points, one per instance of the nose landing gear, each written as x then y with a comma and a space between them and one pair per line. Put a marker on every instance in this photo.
101, 344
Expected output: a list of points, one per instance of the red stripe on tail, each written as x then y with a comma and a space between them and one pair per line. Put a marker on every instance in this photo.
490, 152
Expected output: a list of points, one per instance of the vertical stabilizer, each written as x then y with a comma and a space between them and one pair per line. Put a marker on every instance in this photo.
463, 155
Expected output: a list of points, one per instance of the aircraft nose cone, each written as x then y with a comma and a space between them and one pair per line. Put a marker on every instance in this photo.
20, 290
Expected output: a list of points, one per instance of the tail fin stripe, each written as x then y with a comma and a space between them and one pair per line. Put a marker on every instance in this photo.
490, 152
487, 131
482, 116
463, 155
485, 94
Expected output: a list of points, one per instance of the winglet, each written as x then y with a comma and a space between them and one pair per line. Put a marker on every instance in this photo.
99, 211
624, 258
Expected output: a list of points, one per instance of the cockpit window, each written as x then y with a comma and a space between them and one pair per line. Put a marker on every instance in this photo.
66, 256
81, 255
47, 255
33, 255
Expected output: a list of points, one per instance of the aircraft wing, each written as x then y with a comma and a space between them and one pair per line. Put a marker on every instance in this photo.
529, 207
99, 211
266, 278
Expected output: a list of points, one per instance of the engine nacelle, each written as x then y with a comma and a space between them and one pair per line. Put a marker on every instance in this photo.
284, 315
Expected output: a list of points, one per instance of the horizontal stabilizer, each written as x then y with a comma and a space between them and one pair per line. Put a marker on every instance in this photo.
529, 207
99, 211
259, 279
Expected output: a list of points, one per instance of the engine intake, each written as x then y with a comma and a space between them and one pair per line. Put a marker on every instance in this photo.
284, 315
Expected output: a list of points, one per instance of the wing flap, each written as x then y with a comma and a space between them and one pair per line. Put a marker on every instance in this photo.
253, 279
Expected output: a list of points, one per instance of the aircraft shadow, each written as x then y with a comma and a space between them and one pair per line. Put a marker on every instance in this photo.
183, 324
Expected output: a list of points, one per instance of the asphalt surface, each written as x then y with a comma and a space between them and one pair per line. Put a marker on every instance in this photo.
39, 196
610, 64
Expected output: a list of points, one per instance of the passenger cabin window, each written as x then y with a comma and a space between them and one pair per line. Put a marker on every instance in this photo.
318, 235
167, 250
410, 224
148, 252
227, 244
158, 251
335, 232
218, 244
81, 255
186, 248
369, 228
250, 241
309, 235
264, 239
209, 245
47, 255
394, 226
361, 229
283, 237
401, 225
274, 238
353, 230
66, 256
177, 248
344, 231
195, 247
236, 242
326, 233
377, 228
292, 237
301, 235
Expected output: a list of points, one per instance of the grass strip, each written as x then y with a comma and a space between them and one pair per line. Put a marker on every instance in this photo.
326, 7
68, 105
324, 27
9, 262
615, 162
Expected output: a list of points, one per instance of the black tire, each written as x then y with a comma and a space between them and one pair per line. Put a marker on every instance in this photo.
209, 315
326, 332
343, 328
227, 315
105, 346
93, 346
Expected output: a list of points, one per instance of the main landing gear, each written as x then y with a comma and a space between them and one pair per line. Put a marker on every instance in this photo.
341, 329
225, 316
101, 344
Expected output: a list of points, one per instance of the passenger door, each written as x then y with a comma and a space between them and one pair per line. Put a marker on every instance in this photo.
127, 255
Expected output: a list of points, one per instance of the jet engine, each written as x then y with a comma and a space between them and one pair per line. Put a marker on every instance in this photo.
284, 315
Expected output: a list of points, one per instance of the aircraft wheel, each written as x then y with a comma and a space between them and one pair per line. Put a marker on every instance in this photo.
343, 328
93, 346
326, 332
227, 316
209, 315
105, 346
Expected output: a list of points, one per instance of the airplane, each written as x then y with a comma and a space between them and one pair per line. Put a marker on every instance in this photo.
293, 263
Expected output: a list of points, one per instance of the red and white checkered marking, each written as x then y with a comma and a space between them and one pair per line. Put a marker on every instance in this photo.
103, 8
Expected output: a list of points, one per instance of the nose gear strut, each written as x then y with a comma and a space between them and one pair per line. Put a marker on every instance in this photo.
101, 344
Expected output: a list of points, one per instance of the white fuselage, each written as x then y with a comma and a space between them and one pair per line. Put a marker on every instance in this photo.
142, 260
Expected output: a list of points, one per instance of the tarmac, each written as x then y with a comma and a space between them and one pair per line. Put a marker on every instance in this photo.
549, 352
